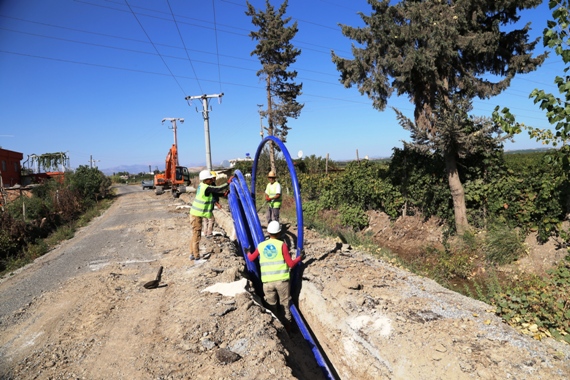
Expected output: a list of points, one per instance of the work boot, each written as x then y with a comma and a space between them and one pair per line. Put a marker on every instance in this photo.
191, 257
205, 256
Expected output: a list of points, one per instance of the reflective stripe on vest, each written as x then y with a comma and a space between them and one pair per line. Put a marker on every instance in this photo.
271, 261
271, 190
202, 205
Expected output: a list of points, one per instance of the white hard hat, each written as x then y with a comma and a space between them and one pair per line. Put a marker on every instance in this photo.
205, 174
274, 227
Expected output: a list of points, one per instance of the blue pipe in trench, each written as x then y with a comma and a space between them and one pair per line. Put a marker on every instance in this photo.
249, 234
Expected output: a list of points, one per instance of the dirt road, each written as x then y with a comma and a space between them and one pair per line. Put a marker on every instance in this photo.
374, 321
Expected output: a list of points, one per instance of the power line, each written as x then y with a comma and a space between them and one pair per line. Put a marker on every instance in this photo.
225, 25
184, 48
145, 52
300, 69
217, 47
196, 78
328, 98
163, 61
183, 44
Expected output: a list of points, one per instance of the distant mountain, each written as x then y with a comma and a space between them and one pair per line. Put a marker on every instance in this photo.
131, 169
529, 150
136, 169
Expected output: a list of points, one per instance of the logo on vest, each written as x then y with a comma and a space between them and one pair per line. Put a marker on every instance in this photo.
270, 251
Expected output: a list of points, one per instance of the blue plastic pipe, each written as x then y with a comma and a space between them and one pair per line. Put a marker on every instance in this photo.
249, 234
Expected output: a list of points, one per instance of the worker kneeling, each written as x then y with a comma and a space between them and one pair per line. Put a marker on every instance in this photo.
275, 262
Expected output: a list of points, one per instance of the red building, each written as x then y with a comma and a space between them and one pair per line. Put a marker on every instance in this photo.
10, 167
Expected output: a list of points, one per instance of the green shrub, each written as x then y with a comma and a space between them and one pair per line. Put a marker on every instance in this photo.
62, 233
456, 260
90, 183
451, 265
421, 181
353, 217
34, 207
7, 245
33, 251
311, 209
503, 245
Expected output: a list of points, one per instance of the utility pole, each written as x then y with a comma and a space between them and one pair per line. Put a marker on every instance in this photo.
205, 113
91, 161
260, 121
173, 121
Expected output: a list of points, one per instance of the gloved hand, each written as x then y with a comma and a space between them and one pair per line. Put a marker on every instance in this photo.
226, 193
267, 198
303, 255
230, 179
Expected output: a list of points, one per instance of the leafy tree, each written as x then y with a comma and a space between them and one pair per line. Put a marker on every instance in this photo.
243, 166
276, 54
89, 183
556, 37
439, 53
314, 165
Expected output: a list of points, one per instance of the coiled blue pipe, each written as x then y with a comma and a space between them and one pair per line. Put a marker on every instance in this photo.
250, 234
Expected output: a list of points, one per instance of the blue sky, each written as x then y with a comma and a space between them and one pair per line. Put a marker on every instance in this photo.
95, 78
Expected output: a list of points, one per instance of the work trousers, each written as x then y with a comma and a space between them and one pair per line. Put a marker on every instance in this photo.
196, 223
272, 214
209, 226
277, 294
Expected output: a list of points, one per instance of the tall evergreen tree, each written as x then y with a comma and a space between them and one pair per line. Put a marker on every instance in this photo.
276, 54
441, 54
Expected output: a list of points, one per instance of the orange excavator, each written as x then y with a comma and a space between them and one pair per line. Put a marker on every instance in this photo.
175, 177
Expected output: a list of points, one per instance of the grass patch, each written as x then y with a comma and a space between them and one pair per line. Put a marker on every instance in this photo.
329, 223
504, 245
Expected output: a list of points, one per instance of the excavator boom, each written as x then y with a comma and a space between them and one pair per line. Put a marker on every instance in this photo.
175, 177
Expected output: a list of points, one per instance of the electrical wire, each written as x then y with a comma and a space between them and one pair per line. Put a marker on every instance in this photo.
150, 40
217, 47
183, 44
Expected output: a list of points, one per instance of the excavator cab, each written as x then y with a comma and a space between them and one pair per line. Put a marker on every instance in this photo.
182, 174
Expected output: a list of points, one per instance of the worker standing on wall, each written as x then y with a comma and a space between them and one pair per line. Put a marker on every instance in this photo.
273, 197
275, 262
202, 209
